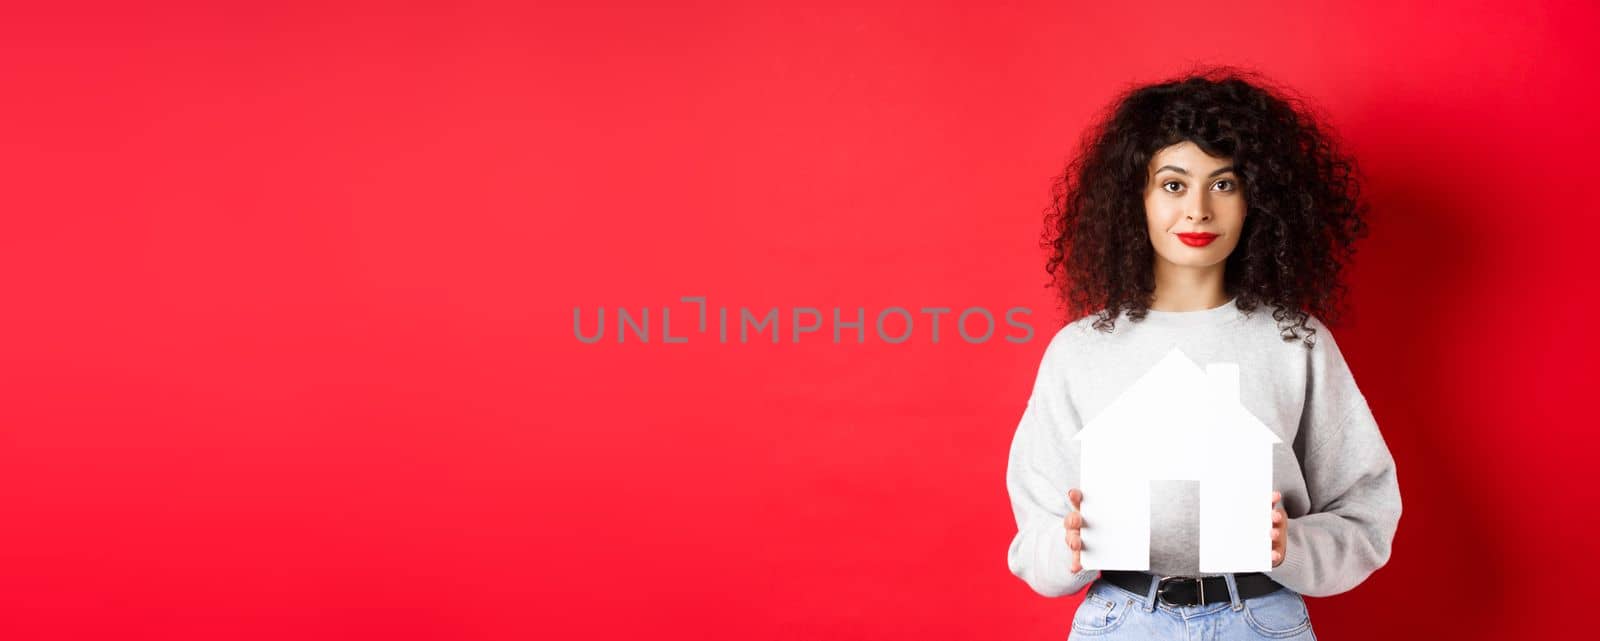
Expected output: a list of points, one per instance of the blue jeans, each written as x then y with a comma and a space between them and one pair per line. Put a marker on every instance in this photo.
1112, 613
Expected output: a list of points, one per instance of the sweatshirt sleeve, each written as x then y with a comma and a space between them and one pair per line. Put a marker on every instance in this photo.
1345, 532
1041, 467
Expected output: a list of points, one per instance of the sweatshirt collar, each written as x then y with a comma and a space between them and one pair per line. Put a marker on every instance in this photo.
1217, 315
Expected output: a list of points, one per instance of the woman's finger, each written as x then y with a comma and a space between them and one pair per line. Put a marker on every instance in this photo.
1075, 496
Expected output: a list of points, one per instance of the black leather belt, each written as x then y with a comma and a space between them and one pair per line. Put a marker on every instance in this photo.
1190, 591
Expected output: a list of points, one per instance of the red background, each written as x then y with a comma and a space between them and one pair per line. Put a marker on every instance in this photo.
288, 332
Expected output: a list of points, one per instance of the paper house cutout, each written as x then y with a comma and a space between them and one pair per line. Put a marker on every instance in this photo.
1178, 422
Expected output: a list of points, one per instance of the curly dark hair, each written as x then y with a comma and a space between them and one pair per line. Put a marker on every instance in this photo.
1301, 191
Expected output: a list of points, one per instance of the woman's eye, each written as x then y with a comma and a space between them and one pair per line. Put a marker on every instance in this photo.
1229, 183
1170, 183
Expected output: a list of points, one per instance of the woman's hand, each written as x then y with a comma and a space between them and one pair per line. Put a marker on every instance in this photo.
1074, 523
1280, 531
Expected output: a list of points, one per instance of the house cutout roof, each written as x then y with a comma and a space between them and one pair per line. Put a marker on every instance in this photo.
1176, 399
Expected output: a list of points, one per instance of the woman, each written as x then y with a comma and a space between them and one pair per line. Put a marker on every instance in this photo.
1193, 207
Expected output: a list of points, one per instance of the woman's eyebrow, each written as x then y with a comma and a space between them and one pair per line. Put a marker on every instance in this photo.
1180, 170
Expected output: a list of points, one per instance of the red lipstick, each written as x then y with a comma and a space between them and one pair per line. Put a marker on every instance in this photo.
1197, 240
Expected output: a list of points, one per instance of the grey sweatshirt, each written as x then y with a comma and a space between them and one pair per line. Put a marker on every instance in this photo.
1333, 468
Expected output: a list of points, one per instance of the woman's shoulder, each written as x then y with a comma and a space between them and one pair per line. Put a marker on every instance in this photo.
1084, 328
1313, 348
1095, 330
1284, 328
1078, 341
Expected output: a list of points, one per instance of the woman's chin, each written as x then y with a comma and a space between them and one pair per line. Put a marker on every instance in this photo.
1190, 259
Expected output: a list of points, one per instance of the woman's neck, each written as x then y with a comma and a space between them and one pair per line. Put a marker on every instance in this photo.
1188, 289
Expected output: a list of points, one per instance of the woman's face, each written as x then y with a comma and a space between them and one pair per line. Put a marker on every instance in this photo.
1194, 207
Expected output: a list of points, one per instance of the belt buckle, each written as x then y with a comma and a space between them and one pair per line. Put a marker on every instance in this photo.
1200, 590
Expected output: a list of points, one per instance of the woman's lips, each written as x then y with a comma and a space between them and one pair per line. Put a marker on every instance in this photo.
1197, 240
